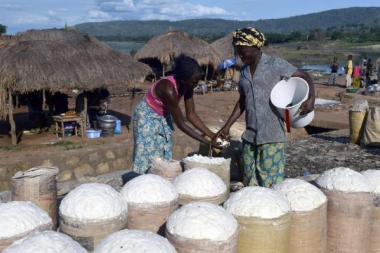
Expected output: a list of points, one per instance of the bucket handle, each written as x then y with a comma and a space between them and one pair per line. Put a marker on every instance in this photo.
287, 120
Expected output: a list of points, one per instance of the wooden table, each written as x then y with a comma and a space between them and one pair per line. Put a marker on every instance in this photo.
60, 125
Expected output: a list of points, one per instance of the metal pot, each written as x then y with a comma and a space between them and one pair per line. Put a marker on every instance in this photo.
106, 122
376, 87
370, 88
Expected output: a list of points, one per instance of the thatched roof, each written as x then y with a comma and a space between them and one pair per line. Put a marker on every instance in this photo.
167, 46
58, 58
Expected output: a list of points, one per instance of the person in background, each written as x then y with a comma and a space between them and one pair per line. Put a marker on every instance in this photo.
349, 69
364, 66
60, 102
357, 75
264, 138
369, 68
154, 115
334, 71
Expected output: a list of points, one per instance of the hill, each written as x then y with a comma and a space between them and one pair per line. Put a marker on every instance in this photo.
339, 20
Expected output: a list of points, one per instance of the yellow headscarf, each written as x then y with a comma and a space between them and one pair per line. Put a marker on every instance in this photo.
249, 36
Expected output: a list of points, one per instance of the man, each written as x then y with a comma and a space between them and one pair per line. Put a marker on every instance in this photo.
264, 138
349, 69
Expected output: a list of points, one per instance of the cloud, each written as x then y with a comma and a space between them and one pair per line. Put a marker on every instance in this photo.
12, 7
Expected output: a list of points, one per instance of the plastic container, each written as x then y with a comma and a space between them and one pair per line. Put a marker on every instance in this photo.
117, 129
92, 133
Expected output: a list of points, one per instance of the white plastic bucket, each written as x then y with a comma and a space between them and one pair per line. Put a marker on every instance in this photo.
287, 96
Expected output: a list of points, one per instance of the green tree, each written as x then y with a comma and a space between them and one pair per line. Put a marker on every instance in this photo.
3, 29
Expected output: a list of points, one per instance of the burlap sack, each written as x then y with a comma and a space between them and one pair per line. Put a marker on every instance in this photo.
308, 233
264, 235
166, 169
5, 242
348, 221
90, 233
187, 245
151, 217
217, 200
374, 242
39, 186
371, 133
357, 123
222, 169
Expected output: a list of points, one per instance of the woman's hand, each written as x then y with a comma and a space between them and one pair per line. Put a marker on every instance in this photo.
307, 106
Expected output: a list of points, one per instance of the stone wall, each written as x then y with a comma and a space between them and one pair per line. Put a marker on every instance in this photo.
90, 161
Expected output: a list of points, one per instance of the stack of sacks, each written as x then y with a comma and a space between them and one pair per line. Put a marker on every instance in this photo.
199, 184
90, 212
134, 241
168, 169
309, 216
151, 200
202, 227
220, 166
19, 219
47, 241
373, 242
264, 218
349, 209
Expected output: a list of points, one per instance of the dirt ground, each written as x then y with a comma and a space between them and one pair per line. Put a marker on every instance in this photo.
213, 108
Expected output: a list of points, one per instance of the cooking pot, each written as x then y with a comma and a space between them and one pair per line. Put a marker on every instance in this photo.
376, 87
106, 122
370, 88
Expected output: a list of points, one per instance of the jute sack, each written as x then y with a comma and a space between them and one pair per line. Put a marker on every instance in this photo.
374, 242
264, 235
5, 242
167, 169
150, 216
308, 231
90, 233
39, 186
222, 169
371, 133
217, 200
187, 245
357, 123
348, 221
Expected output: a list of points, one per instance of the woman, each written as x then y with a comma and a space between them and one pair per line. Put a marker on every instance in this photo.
264, 138
152, 119
334, 71
357, 74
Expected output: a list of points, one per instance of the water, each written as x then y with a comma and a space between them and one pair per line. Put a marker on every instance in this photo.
356, 55
125, 47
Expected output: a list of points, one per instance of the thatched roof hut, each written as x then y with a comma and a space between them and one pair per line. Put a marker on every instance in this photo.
57, 58
167, 46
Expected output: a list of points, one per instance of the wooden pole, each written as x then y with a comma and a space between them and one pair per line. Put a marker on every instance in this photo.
11, 119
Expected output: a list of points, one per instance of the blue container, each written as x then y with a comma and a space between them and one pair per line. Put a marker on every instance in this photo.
118, 127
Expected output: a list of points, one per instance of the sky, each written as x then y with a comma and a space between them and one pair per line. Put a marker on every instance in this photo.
22, 15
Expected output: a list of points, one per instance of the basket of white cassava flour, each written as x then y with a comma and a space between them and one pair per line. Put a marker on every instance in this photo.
19, 219
202, 227
37, 185
200, 184
373, 242
349, 209
309, 215
264, 218
219, 165
168, 169
90, 212
134, 241
151, 199
47, 241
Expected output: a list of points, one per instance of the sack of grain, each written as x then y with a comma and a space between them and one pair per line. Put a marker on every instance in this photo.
19, 219
264, 218
47, 241
220, 166
309, 215
37, 185
202, 227
349, 209
90, 212
168, 169
136, 241
200, 184
151, 199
